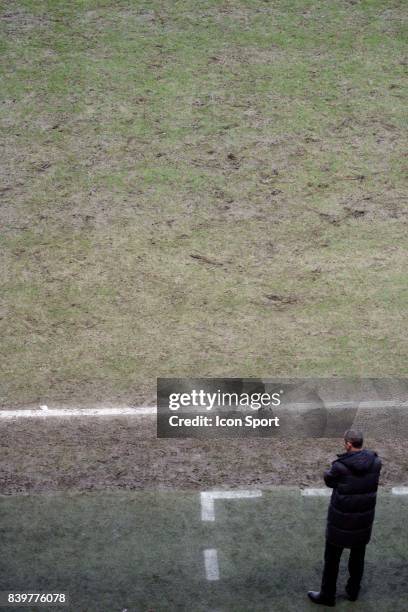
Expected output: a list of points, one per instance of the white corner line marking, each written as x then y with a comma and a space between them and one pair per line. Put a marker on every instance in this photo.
208, 498
399, 490
212, 570
316, 492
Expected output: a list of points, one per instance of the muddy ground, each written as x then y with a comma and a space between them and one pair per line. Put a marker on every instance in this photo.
83, 455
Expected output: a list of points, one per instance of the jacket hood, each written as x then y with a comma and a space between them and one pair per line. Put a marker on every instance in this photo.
359, 461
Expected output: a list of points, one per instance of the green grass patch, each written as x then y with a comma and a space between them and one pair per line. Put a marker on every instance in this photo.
144, 550
269, 138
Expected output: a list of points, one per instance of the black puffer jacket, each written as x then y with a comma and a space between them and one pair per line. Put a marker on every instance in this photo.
354, 479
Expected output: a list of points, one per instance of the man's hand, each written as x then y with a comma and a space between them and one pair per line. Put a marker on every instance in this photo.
331, 476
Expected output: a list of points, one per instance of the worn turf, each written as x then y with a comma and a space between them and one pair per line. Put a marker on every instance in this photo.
200, 188
144, 551
63, 455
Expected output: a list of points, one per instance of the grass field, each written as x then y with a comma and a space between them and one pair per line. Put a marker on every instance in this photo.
197, 188
144, 552
200, 188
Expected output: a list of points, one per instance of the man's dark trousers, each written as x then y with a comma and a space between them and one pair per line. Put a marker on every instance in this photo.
332, 556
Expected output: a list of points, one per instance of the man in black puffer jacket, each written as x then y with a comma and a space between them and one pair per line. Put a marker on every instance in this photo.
354, 479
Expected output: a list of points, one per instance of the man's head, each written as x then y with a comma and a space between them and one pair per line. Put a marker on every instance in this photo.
353, 440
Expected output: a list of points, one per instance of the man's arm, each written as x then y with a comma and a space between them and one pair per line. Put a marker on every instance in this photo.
332, 476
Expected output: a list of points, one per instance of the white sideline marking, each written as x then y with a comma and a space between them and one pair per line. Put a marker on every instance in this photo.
399, 490
327, 492
356, 404
45, 412
208, 498
212, 570
316, 492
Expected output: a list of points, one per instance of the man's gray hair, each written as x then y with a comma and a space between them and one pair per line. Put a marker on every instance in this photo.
354, 437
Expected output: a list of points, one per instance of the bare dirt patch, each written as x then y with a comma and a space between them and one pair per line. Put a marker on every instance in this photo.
83, 455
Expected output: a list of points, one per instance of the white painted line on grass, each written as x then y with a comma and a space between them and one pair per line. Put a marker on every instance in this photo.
327, 492
316, 492
356, 404
212, 571
399, 490
44, 412
208, 498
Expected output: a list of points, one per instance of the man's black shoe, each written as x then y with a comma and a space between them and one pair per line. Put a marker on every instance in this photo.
318, 598
351, 595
